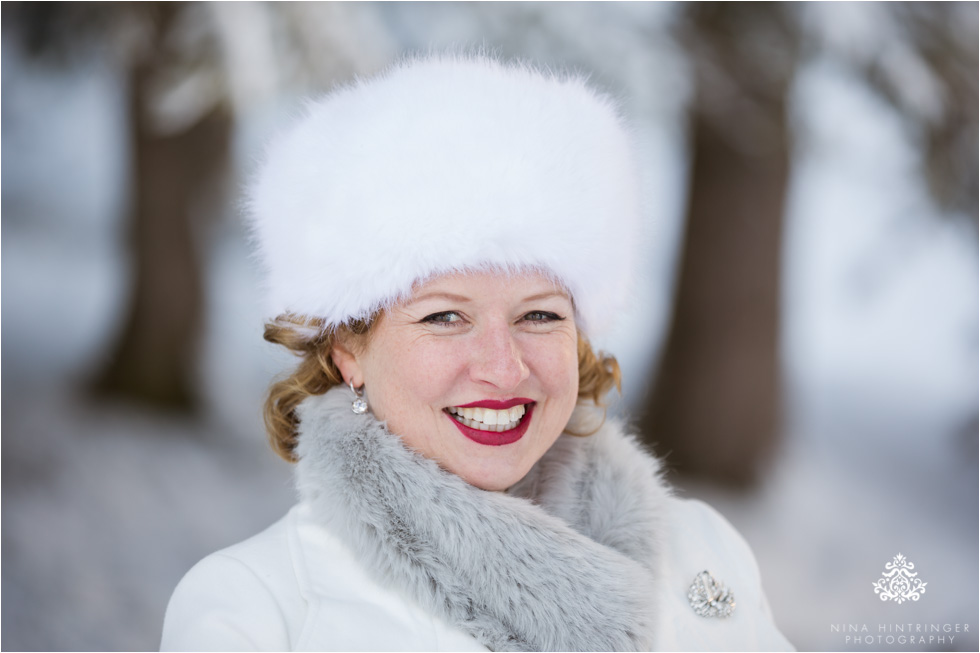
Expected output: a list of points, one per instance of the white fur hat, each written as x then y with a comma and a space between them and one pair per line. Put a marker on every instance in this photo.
446, 164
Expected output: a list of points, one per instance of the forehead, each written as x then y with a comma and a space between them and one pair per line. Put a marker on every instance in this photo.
478, 285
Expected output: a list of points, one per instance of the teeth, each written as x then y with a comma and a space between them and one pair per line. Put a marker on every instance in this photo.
487, 419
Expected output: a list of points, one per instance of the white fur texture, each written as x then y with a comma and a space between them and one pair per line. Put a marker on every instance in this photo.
441, 164
565, 561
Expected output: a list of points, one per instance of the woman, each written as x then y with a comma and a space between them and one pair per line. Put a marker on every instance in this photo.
439, 241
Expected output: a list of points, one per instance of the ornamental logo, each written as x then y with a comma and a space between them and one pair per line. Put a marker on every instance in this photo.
899, 583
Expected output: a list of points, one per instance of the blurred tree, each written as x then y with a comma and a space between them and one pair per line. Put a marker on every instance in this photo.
188, 68
713, 404
180, 132
922, 58
177, 159
712, 408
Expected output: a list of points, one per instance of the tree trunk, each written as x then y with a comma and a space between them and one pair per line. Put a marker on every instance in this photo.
154, 360
712, 408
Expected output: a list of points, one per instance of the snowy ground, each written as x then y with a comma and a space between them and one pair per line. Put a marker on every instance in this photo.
105, 506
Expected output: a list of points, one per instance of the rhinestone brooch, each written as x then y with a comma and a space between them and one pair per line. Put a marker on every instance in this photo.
709, 597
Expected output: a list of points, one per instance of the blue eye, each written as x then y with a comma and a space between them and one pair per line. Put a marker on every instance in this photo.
446, 317
542, 316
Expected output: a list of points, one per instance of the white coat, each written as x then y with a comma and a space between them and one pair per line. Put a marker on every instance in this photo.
306, 583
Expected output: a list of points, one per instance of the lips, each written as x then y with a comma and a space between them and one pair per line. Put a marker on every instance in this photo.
497, 404
493, 423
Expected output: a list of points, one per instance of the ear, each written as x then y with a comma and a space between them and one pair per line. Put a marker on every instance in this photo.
347, 362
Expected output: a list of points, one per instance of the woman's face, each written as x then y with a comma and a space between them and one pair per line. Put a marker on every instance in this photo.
478, 372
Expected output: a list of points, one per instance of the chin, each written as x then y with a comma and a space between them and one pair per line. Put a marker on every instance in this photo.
493, 485
503, 468
492, 480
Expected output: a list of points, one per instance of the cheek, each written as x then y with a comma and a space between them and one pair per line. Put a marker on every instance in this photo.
436, 362
416, 376
557, 369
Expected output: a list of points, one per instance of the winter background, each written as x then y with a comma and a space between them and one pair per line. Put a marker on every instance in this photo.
106, 505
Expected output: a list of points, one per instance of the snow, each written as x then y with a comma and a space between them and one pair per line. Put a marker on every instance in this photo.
105, 506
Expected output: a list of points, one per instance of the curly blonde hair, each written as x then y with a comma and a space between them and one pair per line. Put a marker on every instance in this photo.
317, 373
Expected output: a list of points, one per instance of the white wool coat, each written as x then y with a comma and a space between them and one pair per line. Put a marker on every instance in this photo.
386, 551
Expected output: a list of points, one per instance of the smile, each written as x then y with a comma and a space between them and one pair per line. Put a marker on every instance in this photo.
493, 423
488, 419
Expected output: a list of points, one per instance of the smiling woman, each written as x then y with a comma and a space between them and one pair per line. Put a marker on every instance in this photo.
460, 487
489, 357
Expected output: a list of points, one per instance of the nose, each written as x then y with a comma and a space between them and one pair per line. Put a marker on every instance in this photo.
498, 359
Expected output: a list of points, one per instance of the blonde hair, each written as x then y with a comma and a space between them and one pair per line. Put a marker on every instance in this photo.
317, 373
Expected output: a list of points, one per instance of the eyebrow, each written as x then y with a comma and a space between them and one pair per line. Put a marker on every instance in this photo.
463, 299
546, 295
437, 295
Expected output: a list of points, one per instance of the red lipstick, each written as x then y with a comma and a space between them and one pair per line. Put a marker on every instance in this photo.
498, 405
493, 438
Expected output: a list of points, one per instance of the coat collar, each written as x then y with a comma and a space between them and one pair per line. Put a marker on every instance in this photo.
565, 560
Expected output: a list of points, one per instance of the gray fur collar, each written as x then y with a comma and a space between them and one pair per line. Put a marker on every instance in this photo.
567, 560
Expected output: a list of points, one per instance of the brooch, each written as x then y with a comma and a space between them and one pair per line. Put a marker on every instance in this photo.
710, 598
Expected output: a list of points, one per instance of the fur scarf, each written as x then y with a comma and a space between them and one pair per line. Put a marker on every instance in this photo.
565, 560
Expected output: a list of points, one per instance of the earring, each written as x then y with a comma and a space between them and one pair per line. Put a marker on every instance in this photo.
359, 405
